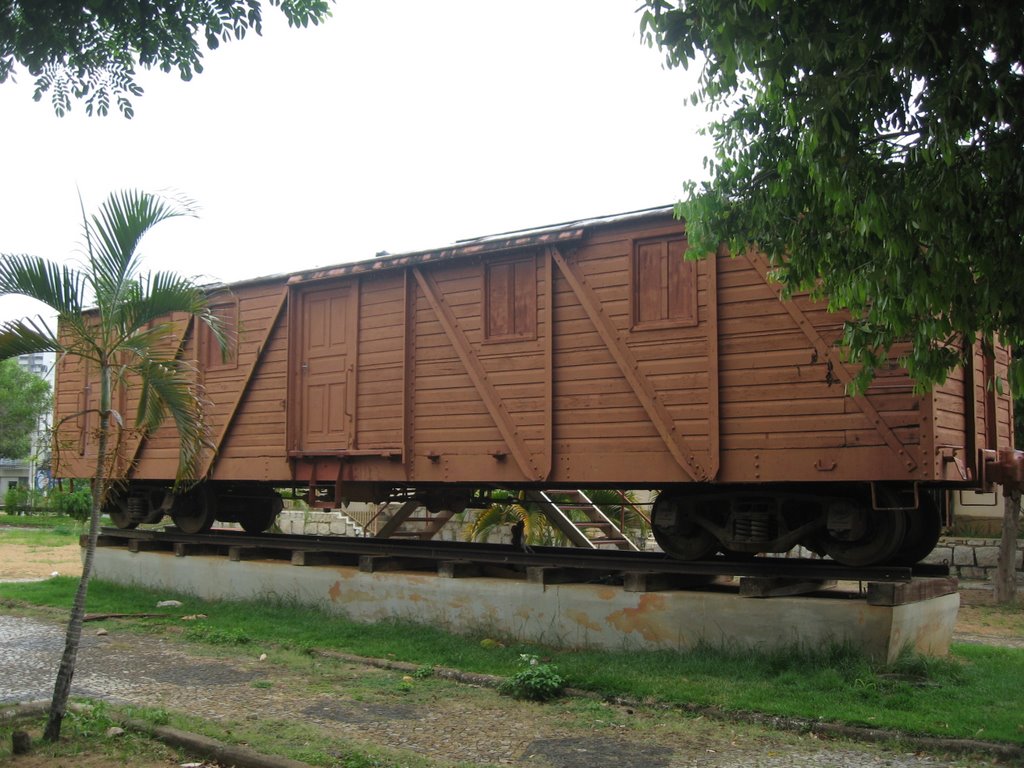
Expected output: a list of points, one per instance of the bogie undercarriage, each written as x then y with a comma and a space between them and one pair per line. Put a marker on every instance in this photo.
254, 506
853, 524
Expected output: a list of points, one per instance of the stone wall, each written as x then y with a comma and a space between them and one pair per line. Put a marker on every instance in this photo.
317, 523
972, 559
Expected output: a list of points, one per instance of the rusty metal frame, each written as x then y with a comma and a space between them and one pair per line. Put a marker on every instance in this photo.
630, 368
488, 394
826, 353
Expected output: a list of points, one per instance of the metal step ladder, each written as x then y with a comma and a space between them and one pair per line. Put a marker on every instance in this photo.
391, 523
595, 531
571, 511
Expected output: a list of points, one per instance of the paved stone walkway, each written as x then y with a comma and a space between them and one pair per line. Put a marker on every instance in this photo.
463, 723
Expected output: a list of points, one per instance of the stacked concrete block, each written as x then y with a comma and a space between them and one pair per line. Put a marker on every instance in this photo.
973, 559
318, 523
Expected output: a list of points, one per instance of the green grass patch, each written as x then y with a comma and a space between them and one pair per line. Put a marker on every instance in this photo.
83, 738
53, 535
32, 521
976, 693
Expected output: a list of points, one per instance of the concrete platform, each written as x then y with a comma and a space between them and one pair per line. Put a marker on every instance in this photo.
561, 615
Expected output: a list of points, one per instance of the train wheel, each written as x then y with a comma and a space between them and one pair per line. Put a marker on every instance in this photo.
858, 536
924, 525
117, 509
263, 517
676, 532
195, 511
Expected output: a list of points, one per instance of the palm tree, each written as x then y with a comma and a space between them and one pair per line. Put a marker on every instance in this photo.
510, 508
115, 318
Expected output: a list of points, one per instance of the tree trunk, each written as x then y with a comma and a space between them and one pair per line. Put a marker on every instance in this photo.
1005, 587
73, 636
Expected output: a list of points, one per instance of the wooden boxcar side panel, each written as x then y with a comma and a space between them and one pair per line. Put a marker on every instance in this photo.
380, 363
478, 393
71, 422
247, 398
604, 361
243, 395
785, 414
972, 413
635, 395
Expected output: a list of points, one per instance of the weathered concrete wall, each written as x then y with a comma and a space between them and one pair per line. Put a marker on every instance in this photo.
571, 615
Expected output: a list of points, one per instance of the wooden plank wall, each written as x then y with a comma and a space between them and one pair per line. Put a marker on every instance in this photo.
247, 401
785, 414
602, 430
381, 358
752, 389
457, 416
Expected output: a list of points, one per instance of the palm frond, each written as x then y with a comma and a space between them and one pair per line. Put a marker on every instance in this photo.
158, 296
24, 337
58, 286
167, 388
113, 236
151, 342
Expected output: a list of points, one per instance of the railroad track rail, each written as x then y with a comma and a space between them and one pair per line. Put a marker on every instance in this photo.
547, 564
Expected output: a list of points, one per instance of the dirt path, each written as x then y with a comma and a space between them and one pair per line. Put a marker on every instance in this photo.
330, 705
21, 561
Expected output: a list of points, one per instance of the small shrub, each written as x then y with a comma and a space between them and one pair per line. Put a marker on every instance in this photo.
76, 504
16, 500
204, 633
534, 682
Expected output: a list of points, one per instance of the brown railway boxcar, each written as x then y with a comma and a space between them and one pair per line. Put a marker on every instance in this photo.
588, 354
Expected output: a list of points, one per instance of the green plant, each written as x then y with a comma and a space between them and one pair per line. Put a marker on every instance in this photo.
16, 500
76, 504
204, 633
535, 681
423, 673
508, 508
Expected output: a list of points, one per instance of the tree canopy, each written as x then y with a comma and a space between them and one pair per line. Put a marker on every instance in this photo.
875, 152
24, 398
89, 50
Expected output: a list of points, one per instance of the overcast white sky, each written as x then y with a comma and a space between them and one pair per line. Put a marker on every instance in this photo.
392, 127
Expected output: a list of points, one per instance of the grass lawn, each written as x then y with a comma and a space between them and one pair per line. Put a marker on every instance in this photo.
57, 522
976, 693
58, 532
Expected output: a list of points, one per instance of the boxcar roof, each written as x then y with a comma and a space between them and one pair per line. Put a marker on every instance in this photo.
567, 231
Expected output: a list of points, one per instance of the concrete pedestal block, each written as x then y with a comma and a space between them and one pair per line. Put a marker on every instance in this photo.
561, 615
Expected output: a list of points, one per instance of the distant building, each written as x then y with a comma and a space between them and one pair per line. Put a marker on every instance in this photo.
39, 363
35, 472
